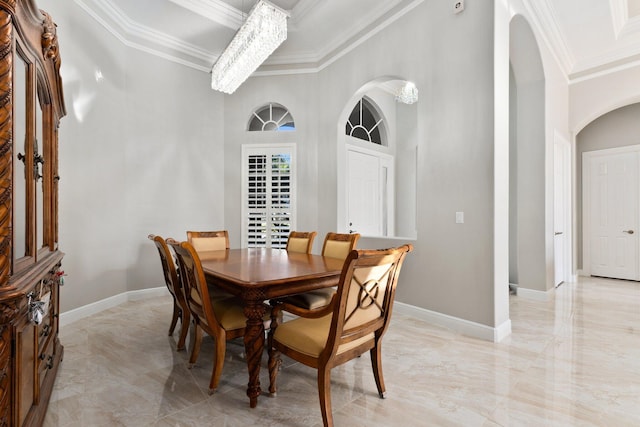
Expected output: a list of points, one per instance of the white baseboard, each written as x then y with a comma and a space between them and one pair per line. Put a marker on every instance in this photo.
536, 295
462, 326
465, 327
81, 312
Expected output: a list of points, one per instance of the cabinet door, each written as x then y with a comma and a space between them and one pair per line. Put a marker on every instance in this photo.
26, 366
20, 163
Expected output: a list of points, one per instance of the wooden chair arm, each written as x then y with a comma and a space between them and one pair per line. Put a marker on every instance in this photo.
309, 314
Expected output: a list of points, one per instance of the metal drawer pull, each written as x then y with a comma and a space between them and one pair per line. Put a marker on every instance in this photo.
628, 231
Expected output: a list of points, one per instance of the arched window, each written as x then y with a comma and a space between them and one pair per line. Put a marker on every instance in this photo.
271, 117
365, 123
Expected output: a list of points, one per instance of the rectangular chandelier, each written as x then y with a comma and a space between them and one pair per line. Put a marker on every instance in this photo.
263, 31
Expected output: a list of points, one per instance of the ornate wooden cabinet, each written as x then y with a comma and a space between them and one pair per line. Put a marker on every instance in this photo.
31, 106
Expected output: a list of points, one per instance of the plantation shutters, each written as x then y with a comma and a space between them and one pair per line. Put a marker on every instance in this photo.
268, 197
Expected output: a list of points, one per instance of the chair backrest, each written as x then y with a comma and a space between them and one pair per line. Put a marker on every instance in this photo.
365, 297
169, 269
338, 245
203, 241
301, 241
195, 285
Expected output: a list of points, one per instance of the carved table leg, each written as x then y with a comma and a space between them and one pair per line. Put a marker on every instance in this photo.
254, 342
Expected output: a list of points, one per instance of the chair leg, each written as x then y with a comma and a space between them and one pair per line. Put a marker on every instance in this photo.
274, 366
324, 392
174, 317
185, 321
195, 348
218, 362
376, 364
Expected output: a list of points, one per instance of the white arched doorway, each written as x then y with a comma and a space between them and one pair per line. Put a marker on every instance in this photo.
528, 206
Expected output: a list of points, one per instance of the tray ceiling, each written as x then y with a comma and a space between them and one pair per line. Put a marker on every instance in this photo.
587, 37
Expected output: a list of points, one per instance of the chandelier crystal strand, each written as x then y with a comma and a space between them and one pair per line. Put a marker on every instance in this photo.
263, 31
408, 93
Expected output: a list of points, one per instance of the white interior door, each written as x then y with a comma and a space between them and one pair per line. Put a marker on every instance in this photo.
363, 193
561, 196
613, 213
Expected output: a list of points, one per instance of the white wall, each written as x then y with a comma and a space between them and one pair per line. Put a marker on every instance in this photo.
140, 152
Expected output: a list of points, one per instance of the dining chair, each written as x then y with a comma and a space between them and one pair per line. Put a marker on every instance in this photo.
352, 323
180, 308
209, 244
301, 241
223, 319
336, 245
203, 241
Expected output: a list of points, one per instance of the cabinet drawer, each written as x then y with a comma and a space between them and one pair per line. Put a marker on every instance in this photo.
46, 332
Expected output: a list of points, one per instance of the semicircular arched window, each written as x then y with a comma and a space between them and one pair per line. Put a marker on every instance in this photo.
365, 123
271, 117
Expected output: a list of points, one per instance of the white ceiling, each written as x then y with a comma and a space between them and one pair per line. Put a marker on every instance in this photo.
587, 37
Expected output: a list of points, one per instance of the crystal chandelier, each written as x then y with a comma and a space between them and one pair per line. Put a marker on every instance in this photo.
408, 93
263, 31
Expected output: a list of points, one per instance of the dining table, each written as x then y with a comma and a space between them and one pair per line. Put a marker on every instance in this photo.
256, 275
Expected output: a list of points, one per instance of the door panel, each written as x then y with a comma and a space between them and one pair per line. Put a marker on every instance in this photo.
364, 193
614, 215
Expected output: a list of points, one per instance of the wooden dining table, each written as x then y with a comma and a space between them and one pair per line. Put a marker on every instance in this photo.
258, 274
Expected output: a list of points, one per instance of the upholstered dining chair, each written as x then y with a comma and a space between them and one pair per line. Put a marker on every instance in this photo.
222, 319
203, 241
301, 241
207, 244
354, 322
335, 245
180, 308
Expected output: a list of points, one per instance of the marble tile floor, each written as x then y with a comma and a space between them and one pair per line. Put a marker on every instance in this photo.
571, 361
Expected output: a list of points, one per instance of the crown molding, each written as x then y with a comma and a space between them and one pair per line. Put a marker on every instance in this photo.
623, 24
619, 13
542, 15
611, 62
215, 10
154, 42
146, 39
372, 23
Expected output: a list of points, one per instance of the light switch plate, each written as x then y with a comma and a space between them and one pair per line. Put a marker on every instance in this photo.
459, 217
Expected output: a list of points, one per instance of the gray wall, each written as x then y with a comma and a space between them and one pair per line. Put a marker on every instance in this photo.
451, 270
140, 152
156, 151
528, 194
618, 128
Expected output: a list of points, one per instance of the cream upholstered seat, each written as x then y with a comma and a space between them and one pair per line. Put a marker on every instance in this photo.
221, 318
180, 308
352, 323
209, 244
335, 245
301, 241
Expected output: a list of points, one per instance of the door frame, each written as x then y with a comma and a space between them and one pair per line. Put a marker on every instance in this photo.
586, 198
567, 214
